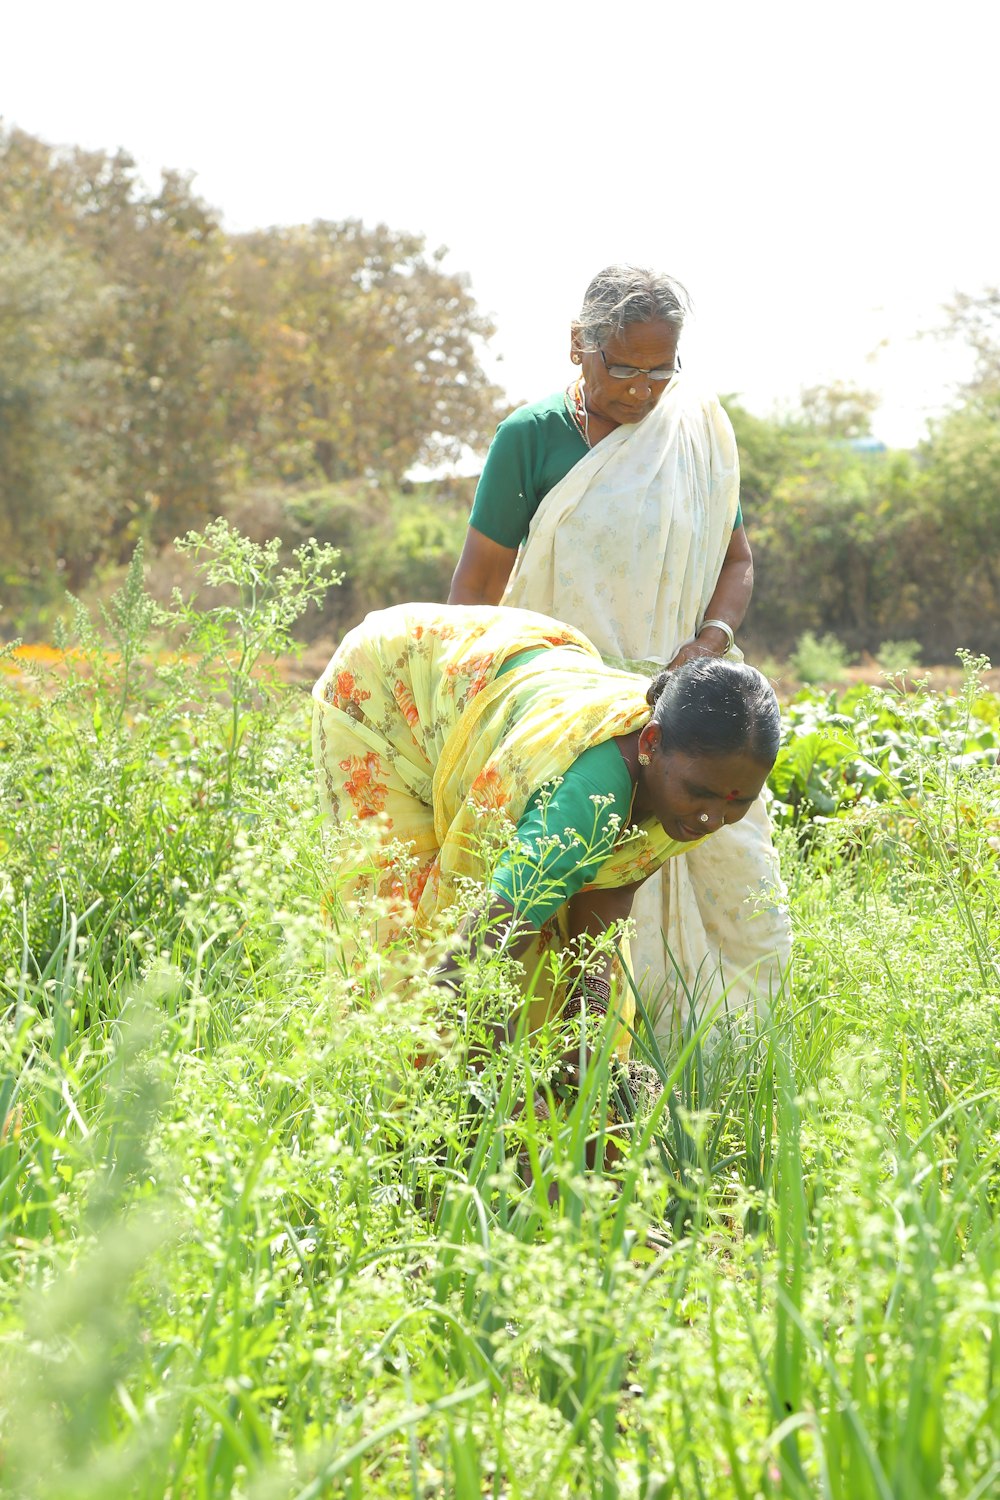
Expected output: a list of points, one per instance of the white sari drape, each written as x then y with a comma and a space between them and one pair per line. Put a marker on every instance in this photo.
628, 548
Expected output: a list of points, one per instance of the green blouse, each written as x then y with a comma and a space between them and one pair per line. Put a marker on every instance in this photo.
567, 829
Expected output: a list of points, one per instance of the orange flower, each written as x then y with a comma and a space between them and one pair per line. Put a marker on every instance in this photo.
418, 880
367, 794
405, 889
347, 691
404, 698
487, 789
391, 887
476, 669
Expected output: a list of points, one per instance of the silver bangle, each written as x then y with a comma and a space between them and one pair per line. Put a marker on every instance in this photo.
720, 625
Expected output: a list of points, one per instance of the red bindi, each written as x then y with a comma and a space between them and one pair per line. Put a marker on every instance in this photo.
733, 795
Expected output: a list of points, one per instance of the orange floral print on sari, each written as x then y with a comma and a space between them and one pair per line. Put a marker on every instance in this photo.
348, 696
406, 887
367, 794
488, 790
404, 700
477, 670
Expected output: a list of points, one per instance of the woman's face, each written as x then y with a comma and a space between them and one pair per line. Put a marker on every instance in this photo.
644, 346
681, 790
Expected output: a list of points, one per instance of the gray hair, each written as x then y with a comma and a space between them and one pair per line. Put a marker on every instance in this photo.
620, 295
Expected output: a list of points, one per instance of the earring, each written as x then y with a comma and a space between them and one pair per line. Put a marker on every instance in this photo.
643, 758
575, 358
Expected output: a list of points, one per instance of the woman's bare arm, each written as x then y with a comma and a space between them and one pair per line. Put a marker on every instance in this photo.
591, 912
730, 600
482, 572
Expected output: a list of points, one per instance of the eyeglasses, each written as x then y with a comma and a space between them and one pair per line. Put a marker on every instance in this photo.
629, 372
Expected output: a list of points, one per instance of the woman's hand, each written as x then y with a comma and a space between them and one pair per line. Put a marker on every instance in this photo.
700, 646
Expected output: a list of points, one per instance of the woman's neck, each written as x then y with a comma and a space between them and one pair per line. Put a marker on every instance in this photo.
591, 426
628, 746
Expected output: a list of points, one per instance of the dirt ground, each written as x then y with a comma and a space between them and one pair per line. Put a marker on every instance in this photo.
942, 679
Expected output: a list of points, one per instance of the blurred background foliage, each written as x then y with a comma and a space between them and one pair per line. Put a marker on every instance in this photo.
157, 371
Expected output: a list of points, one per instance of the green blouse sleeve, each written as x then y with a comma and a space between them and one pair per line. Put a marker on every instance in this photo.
564, 835
505, 497
534, 448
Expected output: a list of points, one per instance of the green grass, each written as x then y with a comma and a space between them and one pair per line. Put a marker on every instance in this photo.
247, 1249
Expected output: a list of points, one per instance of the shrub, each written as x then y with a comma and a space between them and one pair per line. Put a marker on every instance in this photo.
897, 658
819, 659
136, 770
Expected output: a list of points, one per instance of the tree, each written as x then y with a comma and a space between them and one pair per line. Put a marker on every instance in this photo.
961, 486
49, 504
159, 345
150, 365
976, 321
839, 410
829, 530
366, 351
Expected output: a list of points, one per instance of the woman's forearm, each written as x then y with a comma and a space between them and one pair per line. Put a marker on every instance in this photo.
731, 597
729, 603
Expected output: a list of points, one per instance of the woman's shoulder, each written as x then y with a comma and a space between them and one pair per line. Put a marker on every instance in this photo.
693, 396
551, 409
701, 406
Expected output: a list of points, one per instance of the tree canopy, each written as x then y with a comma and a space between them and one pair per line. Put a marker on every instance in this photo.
150, 362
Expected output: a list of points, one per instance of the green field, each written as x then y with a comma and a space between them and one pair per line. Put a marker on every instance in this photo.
249, 1249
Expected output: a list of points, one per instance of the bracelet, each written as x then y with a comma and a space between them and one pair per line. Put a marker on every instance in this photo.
597, 989
720, 625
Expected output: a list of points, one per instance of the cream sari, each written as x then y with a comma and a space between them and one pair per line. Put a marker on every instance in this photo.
628, 548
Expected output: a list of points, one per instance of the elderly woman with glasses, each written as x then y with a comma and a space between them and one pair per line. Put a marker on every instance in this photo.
614, 506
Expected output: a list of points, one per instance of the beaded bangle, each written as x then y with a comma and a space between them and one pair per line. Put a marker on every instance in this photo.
596, 989
727, 631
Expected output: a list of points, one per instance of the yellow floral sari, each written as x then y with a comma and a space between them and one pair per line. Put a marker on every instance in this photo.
417, 739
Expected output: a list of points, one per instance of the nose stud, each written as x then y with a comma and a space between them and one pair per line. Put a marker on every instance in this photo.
631, 390
703, 817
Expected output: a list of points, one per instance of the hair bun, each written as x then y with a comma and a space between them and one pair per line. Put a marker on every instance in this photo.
657, 685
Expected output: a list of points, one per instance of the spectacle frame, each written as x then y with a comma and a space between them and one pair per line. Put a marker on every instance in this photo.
629, 372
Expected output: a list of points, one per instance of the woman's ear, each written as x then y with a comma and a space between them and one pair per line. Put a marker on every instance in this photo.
649, 739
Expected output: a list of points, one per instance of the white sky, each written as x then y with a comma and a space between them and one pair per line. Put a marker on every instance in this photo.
822, 177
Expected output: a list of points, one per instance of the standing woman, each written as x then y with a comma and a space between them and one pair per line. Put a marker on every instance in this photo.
614, 506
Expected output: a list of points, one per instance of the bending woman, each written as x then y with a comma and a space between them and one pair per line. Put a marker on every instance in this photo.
439, 730
622, 494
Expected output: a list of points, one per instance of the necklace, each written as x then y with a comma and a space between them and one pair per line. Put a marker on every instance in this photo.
577, 407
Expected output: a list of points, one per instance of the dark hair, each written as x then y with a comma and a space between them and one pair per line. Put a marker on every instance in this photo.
710, 706
620, 295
